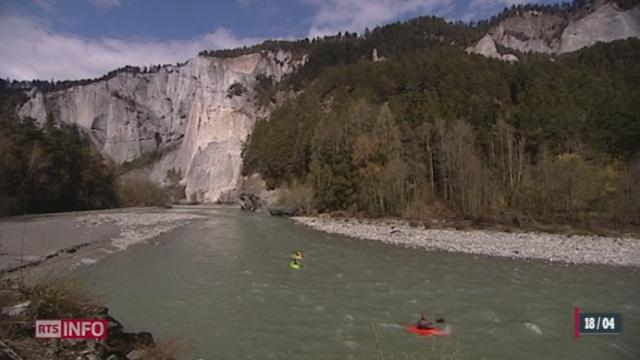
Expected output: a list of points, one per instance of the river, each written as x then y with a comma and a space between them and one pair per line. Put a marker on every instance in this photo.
224, 287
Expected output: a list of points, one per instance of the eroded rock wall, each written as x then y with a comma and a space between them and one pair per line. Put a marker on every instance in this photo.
534, 31
187, 112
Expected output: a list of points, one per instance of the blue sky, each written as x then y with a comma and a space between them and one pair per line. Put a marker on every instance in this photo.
70, 39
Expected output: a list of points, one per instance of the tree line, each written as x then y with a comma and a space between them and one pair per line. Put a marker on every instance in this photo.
54, 167
437, 130
57, 85
48, 168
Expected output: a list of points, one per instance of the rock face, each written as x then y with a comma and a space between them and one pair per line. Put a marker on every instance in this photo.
534, 31
605, 24
487, 47
197, 115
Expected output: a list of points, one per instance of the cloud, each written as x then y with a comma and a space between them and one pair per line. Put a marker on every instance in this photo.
105, 4
333, 16
31, 51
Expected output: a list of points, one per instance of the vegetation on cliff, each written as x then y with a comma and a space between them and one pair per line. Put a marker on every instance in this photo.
543, 139
48, 168
54, 167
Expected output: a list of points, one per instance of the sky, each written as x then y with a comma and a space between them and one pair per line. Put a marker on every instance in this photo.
75, 39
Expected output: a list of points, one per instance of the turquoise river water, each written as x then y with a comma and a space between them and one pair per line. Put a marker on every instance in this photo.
222, 286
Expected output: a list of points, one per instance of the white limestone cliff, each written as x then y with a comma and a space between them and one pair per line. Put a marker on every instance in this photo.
487, 47
607, 23
533, 31
186, 112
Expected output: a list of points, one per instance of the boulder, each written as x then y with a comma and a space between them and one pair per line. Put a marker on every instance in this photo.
282, 211
249, 202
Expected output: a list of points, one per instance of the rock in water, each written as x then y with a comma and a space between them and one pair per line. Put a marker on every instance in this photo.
249, 202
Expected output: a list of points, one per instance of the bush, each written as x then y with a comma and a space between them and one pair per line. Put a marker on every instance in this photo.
297, 195
59, 299
142, 192
175, 189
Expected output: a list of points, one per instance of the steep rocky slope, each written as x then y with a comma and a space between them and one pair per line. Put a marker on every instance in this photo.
607, 23
197, 115
552, 33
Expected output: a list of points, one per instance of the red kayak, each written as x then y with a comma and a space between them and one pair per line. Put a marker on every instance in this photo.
428, 332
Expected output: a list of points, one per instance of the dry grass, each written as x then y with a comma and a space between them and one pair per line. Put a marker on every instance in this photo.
46, 299
139, 191
60, 298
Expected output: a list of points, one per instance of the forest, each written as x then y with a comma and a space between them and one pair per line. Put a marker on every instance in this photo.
48, 168
55, 167
427, 131
435, 131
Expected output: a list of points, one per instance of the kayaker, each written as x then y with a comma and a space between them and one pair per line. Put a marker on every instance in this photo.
295, 264
424, 323
297, 255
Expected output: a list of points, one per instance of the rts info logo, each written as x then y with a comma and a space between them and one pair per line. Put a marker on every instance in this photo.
71, 329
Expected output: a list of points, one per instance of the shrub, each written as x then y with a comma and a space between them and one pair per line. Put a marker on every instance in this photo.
59, 298
142, 192
297, 195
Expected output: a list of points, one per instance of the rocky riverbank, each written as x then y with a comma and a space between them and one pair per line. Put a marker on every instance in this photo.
138, 227
21, 304
38, 247
574, 249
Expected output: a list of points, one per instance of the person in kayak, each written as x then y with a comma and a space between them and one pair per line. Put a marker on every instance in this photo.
297, 255
426, 324
295, 264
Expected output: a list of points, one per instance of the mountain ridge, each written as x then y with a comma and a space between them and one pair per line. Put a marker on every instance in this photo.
198, 114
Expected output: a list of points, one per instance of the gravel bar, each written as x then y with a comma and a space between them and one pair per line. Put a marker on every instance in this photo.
574, 249
138, 227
